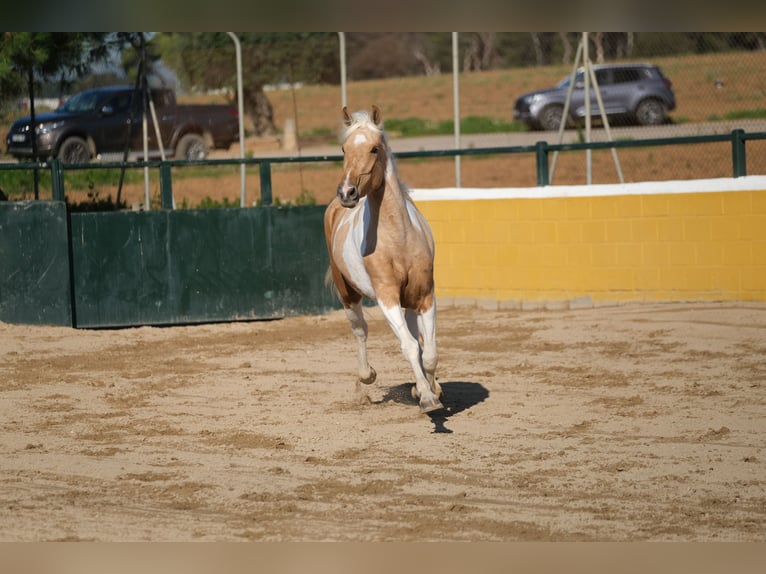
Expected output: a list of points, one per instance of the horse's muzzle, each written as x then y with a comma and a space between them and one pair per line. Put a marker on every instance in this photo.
348, 195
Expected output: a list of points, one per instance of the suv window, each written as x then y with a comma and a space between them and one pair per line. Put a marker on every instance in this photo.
624, 75
604, 77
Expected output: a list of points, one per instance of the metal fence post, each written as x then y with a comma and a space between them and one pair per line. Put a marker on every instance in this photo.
738, 154
57, 180
541, 154
265, 169
166, 186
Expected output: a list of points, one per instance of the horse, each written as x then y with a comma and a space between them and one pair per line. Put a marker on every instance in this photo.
381, 248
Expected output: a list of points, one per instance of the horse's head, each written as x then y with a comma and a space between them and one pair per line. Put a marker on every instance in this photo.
364, 156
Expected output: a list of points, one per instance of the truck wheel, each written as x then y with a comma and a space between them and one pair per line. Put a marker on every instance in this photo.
74, 150
191, 147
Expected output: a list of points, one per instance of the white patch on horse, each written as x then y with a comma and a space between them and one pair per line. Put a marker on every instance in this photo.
412, 211
355, 247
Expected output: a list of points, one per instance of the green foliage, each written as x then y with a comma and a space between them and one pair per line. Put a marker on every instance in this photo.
19, 184
410, 127
746, 114
46, 56
95, 203
209, 203
304, 198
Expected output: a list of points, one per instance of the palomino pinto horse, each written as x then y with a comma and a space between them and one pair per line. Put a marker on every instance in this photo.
381, 248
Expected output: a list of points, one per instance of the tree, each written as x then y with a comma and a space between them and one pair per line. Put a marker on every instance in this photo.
28, 58
206, 60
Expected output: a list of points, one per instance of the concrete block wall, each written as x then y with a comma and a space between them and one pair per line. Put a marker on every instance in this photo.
568, 246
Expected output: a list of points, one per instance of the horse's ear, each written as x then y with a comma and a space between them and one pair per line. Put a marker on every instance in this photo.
346, 116
377, 117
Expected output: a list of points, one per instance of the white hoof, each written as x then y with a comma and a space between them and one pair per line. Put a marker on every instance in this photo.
429, 406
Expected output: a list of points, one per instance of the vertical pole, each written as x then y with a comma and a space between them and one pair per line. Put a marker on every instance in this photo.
241, 114
456, 98
166, 186
265, 167
588, 152
541, 155
738, 155
33, 131
57, 180
144, 124
342, 41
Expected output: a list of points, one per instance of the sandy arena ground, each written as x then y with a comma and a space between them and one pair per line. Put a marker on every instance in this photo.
633, 422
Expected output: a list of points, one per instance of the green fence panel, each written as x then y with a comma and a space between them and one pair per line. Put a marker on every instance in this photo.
188, 266
300, 261
221, 264
121, 269
34, 263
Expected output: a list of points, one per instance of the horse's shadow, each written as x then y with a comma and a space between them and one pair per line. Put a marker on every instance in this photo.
457, 396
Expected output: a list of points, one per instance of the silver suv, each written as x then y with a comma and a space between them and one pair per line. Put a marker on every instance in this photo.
633, 92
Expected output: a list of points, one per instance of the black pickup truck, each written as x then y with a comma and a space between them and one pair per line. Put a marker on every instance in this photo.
102, 121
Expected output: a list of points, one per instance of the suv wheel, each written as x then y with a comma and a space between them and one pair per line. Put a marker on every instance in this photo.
650, 113
74, 150
550, 117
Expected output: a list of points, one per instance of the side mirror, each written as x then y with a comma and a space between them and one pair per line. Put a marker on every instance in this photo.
107, 110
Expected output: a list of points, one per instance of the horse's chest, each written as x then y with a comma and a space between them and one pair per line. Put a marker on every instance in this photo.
350, 246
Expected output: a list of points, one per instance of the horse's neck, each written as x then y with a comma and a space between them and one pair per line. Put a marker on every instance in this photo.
389, 202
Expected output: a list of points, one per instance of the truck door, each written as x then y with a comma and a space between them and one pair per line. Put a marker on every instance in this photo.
164, 107
114, 126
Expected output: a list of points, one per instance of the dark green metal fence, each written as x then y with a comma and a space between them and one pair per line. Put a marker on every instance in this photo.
737, 138
113, 269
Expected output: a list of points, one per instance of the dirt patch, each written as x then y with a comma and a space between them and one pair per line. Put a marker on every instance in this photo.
636, 422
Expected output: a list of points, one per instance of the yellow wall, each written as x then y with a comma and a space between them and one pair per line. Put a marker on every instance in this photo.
606, 248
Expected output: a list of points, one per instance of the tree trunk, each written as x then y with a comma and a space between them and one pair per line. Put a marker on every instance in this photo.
258, 106
567, 57
538, 48
430, 69
488, 49
598, 40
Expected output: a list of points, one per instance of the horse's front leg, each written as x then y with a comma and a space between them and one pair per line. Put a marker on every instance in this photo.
428, 398
355, 314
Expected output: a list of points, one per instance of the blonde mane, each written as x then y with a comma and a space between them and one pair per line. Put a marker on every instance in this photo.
362, 120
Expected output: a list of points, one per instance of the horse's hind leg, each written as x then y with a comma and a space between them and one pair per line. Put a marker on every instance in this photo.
355, 314
423, 329
430, 356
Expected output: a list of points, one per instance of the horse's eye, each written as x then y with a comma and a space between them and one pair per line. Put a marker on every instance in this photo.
374, 150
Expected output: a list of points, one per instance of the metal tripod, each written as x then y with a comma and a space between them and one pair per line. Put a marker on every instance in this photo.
589, 77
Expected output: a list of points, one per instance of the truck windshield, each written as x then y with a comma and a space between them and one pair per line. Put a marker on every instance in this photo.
82, 102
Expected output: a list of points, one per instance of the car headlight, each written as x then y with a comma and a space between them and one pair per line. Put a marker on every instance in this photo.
46, 127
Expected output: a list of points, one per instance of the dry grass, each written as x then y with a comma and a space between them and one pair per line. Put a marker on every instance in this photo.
492, 93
